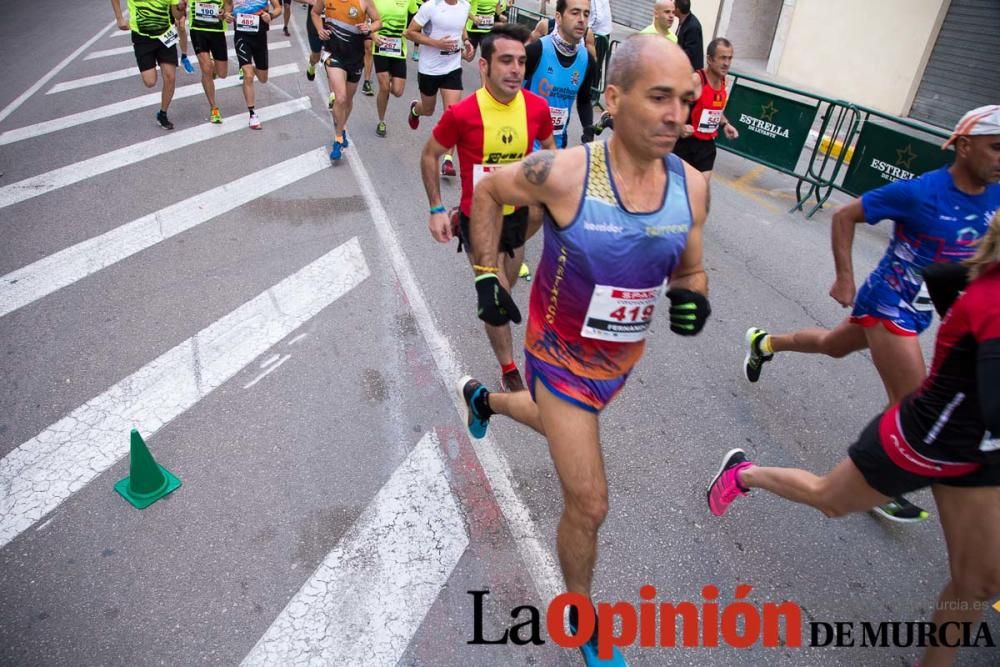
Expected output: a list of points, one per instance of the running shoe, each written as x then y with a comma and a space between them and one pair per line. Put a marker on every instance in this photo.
412, 118
254, 121
447, 167
416, 55
331, 100
380, 129
475, 399
524, 272
346, 142
590, 657
215, 116
901, 510
242, 74
188, 67
603, 122
754, 361
161, 118
511, 381
311, 72
335, 151
725, 486
287, 34
366, 88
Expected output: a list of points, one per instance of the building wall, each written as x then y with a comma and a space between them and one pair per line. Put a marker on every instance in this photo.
870, 53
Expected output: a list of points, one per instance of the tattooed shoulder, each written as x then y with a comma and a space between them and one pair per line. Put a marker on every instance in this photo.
537, 166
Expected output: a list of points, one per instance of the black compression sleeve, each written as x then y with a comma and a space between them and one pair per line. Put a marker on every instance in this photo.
534, 56
583, 107
988, 380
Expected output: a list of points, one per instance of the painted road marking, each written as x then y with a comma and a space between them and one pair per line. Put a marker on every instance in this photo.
368, 597
46, 470
148, 100
128, 155
34, 281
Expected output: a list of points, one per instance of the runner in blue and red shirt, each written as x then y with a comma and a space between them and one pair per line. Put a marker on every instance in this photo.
945, 435
937, 217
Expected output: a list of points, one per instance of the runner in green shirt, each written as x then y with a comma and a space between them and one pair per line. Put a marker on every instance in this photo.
154, 40
481, 20
389, 54
207, 25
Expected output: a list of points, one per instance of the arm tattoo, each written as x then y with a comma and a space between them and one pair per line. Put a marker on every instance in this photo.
536, 167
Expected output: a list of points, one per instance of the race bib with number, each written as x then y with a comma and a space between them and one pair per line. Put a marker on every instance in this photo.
620, 315
922, 301
248, 22
169, 38
709, 121
559, 119
391, 46
483, 22
206, 12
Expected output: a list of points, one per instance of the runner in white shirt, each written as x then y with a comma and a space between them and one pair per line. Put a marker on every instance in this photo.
439, 31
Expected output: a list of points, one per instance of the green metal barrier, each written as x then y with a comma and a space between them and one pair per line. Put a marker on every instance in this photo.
883, 153
774, 122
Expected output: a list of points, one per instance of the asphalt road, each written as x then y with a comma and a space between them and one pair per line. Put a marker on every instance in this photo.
288, 343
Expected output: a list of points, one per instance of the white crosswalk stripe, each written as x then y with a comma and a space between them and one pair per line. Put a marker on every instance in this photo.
381, 579
79, 171
105, 53
23, 286
102, 112
63, 458
93, 80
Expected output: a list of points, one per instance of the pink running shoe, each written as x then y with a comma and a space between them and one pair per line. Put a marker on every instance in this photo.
725, 486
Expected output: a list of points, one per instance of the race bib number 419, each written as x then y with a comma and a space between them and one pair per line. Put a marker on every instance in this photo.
619, 314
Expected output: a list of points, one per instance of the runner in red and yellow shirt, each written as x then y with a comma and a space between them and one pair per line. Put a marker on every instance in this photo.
495, 126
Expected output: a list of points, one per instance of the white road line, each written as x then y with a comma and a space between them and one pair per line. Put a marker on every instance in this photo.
366, 600
46, 470
537, 557
267, 372
104, 53
34, 281
148, 100
94, 80
79, 171
13, 106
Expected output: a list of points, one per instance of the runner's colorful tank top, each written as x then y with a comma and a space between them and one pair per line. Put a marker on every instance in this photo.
600, 278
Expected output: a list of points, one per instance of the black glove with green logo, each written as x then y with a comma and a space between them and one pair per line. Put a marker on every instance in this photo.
688, 311
496, 307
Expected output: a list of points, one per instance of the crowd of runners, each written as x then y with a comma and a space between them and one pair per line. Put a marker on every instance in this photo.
623, 223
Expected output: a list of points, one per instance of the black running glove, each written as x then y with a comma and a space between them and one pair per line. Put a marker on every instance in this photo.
688, 312
588, 134
496, 307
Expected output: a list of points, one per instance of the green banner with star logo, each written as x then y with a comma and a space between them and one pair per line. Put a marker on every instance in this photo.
772, 128
882, 155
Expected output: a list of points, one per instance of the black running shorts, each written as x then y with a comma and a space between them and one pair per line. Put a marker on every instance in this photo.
512, 237
430, 84
887, 478
206, 41
699, 153
150, 52
349, 58
396, 67
251, 49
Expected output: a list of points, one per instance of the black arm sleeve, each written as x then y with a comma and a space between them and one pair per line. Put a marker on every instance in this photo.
945, 281
583, 107
533, 52
988, 379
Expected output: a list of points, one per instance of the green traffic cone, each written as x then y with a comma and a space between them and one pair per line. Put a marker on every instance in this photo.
147, 481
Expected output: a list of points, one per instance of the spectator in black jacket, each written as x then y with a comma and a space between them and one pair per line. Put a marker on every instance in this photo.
689, 36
